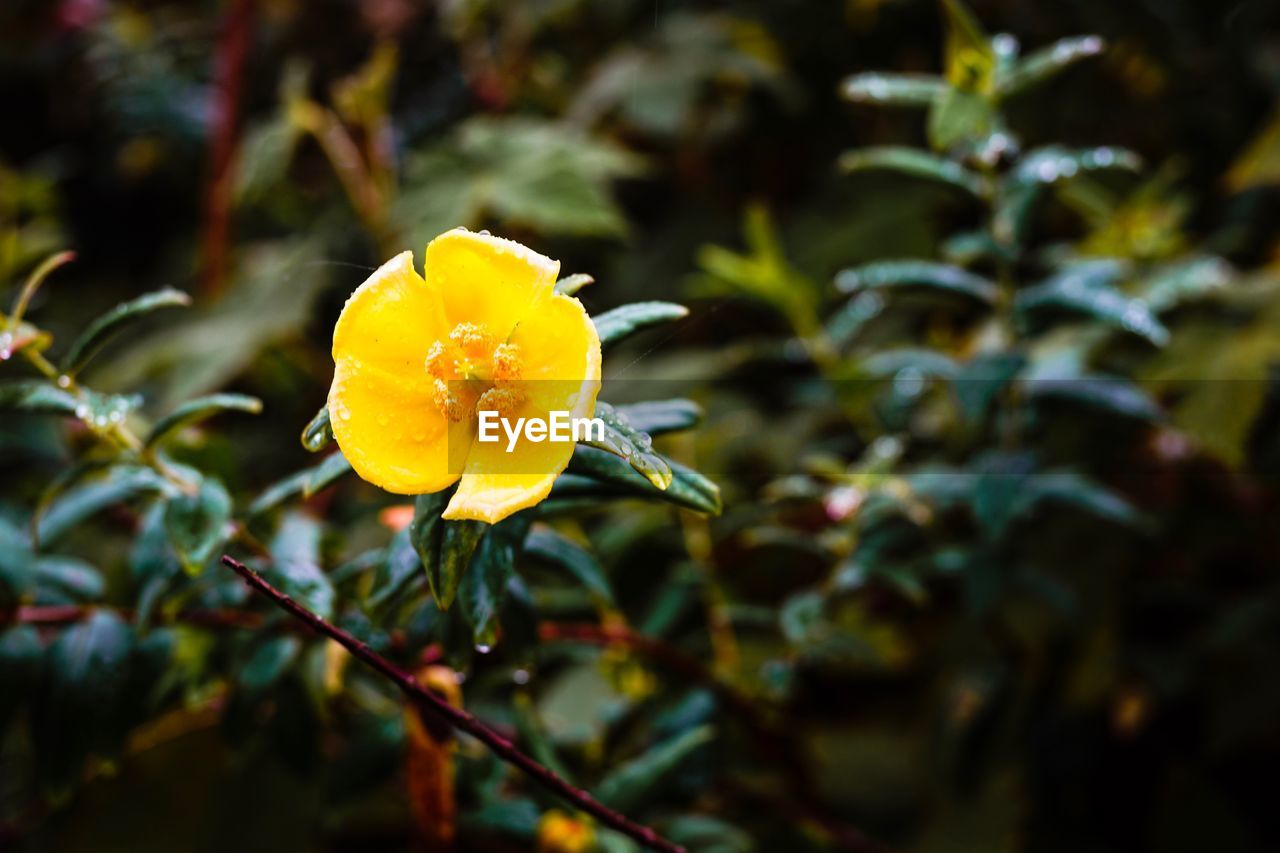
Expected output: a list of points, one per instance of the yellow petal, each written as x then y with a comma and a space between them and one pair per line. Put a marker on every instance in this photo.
487, 280
389, 428
391, 320
380, 405
560, 355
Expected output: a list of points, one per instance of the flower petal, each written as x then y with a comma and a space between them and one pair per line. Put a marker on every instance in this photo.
389, 428
380, 404
560, 354
391, 320
487, 280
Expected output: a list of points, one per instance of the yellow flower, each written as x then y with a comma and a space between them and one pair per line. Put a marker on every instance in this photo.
416, 356
560, 833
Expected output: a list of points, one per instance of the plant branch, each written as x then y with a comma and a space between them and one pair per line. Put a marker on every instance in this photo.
434, 705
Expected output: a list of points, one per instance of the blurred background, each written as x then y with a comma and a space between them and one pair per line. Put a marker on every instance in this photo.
939, 611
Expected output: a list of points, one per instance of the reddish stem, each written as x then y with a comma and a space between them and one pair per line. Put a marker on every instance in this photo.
434, 705
233, 47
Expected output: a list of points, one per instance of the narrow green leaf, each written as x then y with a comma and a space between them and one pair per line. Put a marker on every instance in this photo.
399, 566
630, 785
279, 492
32, 284
1184, 281
444, 547
848, 321
101, 330
197, 523
1072, 489
269, 661
67, 578
659, 417
78, 710
1055, 163
926, 363
613, 326
626, 442
1043, 64
295, 563
546, 544
945, 277
484, 586
898, 90
75, 503
571, 284
1085, 288
198, 409
319, 432
918, 164
329, 471
37, 397
1110, 394
959, 116
688, 488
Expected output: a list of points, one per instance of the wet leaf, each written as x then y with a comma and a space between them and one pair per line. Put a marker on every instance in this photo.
629, 785
1041, 65
546, 544
101, 330
199, 409
613, 326
198, 523
924, 274
37, 397
918, 164
899, 90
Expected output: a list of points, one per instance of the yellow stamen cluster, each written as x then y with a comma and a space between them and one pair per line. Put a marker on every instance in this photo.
469, 373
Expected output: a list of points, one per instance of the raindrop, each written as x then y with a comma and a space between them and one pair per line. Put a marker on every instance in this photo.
520, 676
64, 381
82, 411
483, 649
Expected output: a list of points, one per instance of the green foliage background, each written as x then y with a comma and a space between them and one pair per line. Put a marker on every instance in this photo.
968, 437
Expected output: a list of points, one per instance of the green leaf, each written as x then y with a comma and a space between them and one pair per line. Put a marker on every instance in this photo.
102, 329
295, 563
571, 284
688, 488
319, 432
484, 586
959, 116
21, 659
269, 661
85, 687
1085, 288
68, 579
544, 543
1184, 281
926, 363
199, 409
707, 834
659, 417
626, 442
1054, 163
1070, 488
630, 785
400, 567
37, 397
613, 326
1043, 64
899, 90
928, 274
444, 547
1110, 394
329, 471
918, 164
851, 318
198, 523
77, 503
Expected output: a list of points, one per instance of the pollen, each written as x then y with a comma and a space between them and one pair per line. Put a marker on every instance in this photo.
506, 362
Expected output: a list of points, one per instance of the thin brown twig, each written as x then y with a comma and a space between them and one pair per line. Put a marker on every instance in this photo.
462, 720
